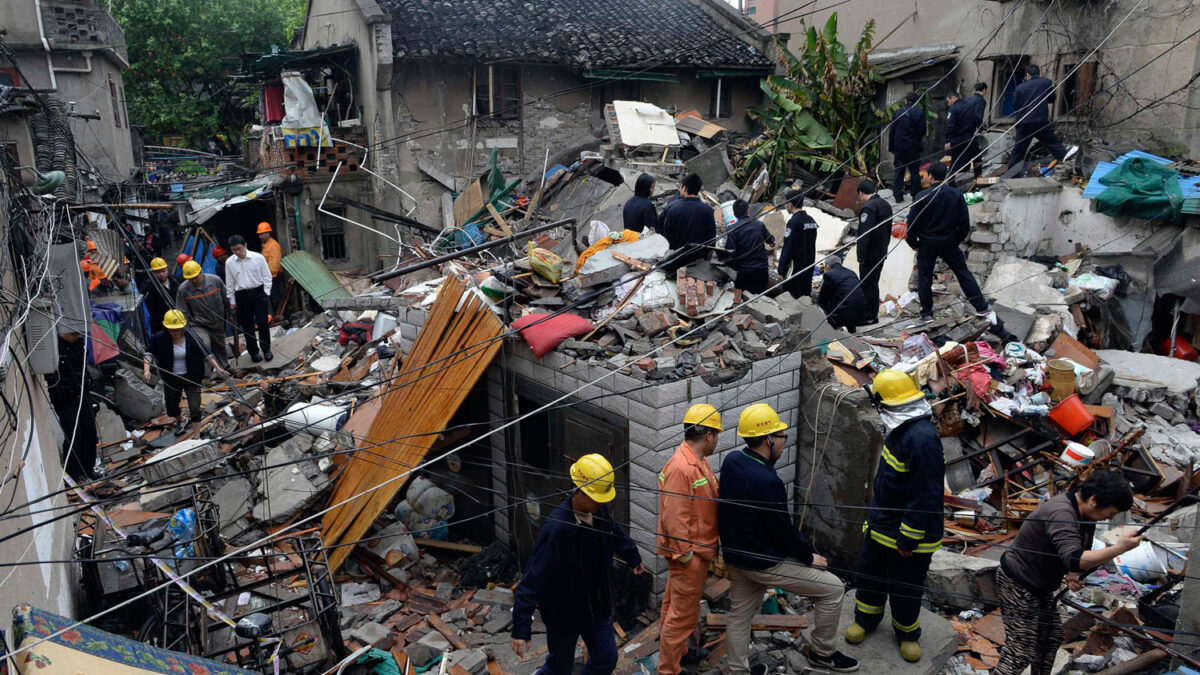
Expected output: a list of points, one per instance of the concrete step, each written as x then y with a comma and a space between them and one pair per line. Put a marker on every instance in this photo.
880, 652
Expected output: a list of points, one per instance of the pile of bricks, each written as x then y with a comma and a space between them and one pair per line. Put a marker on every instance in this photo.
695, 295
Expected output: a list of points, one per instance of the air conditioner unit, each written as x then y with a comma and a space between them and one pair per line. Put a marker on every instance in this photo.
41, 339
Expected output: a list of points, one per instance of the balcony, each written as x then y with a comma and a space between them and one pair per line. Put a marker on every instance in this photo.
82, 26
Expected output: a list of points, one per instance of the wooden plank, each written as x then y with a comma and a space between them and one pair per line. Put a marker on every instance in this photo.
500, 220
448, 545
770, 622
632, 262
447, 631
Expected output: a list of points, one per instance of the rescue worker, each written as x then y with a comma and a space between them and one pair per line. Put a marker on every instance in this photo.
569, 575
904, 525
70, 396
937, 224
799, 247
221, 255
248, 285
274, 255
764, 549
978, 104
1054, 544
158, 293
748, 243
841, 296
904, 140
201, 298
1031, 103
687, 533
960, 131
874, 237
639, 212
688, 222
180, 360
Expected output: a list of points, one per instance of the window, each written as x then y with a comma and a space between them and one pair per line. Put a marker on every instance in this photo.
720, 102
116, 108
498, 91
751, 11
1008, 72
1078, 86
333, 234
9, 77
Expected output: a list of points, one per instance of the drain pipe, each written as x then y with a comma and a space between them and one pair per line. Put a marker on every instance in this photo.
568, 223
37, 6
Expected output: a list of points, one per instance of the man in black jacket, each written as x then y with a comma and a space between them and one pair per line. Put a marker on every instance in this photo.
158, 294
938, 223
72, 401
841, 296
1032, 100
904, 140
978, 104
960, 131
799, 247
688, 222
874, 236
569, 575
904, 525
763, 549
747, 242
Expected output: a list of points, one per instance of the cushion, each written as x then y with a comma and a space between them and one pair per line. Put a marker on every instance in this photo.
544, 331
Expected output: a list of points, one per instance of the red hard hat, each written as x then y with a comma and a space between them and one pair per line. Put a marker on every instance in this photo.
219, 251
182, 258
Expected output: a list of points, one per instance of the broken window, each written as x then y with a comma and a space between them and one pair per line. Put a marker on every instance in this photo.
498, 91
333, 234
112, 93
1077, 88
1008, 72
720, 102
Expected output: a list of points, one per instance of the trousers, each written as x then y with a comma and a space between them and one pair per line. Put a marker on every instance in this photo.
747, 588
174, 387
680, 611
884, 576
962, 151
252, 310
597, 637
869, 270
927, 257
1044, 132
754, 281
214, 340
1032, 628
910, 164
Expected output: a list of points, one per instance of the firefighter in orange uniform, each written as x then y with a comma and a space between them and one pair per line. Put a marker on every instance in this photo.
687, 532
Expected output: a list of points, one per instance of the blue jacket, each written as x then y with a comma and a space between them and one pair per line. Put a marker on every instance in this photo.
906, 509
746, 242
569, 573
960, 122
908, 128
1032, 100
687, 221
753, 515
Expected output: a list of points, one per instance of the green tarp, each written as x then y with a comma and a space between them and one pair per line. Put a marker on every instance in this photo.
1143, 189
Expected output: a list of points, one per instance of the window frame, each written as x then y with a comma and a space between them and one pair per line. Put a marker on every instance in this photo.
720, 99
1001, 93
1086, 72
331, 226
498, 91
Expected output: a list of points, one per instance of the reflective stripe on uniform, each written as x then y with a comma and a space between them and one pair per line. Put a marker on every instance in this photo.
906, 629
868, 609
911, 532
893, 462
924, 547
698, 482
662, 478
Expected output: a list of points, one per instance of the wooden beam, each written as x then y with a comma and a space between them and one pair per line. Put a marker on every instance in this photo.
447, 545
447, 631
499, 220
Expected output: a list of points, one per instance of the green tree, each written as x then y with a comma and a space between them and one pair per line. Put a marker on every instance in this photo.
823, 112
181, 54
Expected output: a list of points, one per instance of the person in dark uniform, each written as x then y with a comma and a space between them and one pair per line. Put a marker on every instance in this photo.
960, 131
841, 296
72, 402
639, 212
904, 525
938, 223
904, 140
799, 247
1032, 100
689, 223
747, 242
978, 104
158, 293
874, 237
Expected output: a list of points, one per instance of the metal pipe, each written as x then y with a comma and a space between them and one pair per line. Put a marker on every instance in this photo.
569, 223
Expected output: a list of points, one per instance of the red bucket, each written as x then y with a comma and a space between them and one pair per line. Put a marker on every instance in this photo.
1072, 416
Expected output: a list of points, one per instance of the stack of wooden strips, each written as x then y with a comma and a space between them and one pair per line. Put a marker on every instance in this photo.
452, 350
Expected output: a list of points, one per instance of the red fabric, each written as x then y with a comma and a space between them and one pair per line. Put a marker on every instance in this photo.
273, 104
548, 333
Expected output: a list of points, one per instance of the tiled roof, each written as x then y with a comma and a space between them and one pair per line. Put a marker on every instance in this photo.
580, 33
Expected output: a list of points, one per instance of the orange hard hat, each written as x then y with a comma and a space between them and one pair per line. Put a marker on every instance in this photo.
264, 227
91, 245
182, 258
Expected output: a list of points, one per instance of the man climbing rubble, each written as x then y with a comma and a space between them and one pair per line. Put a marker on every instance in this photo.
763, 549
1054, 544
904, 525
569, 575
748, 243
201, 298
687, 533
841, 296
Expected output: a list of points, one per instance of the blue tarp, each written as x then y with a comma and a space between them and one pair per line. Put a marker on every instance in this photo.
1189, 185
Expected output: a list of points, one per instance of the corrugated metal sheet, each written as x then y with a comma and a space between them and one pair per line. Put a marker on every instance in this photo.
313, 276
1095, 187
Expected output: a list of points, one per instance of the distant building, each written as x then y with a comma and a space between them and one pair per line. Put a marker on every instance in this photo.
765, 12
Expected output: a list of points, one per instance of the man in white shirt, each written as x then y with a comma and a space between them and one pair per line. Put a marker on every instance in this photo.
248, 283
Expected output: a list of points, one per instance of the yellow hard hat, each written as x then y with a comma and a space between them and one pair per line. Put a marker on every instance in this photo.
594, 475
158, 264
704, 415
759, 419
894, 387
174, 319
191, 269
